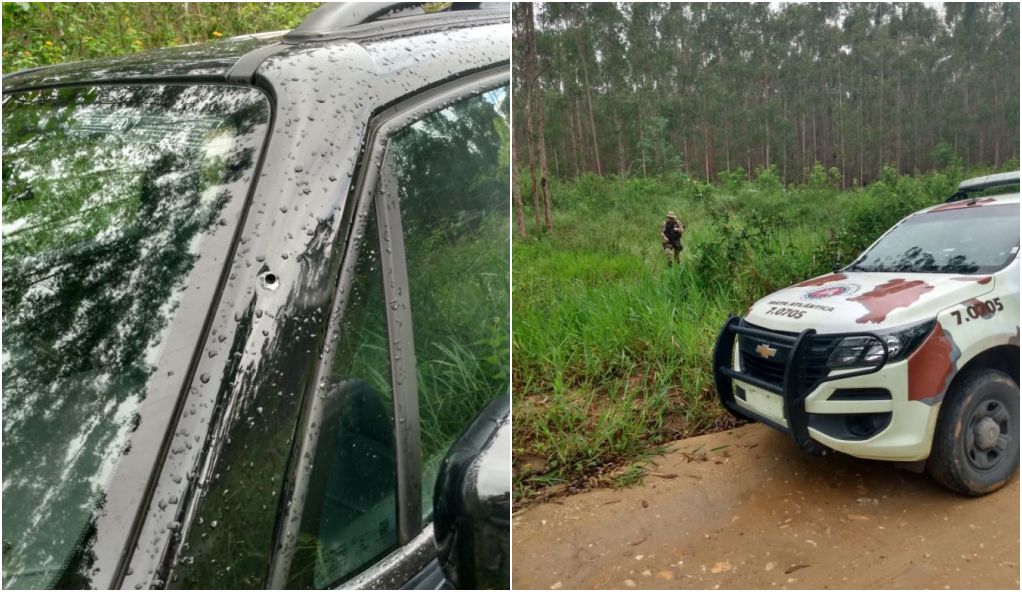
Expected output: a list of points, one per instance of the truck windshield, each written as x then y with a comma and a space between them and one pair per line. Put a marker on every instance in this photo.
951, 239
108, 195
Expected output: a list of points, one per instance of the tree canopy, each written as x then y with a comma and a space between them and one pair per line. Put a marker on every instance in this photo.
641, 89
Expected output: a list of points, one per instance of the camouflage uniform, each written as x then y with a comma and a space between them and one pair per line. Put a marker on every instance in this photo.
670, 233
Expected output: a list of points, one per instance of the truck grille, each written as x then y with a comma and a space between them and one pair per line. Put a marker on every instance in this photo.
772, 369
757, 367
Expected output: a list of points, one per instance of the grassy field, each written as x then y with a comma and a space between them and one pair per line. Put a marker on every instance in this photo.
611, 348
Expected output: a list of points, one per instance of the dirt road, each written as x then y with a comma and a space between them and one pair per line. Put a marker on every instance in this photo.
745, 509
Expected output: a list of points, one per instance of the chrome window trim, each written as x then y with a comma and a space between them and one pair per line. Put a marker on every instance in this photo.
401, 565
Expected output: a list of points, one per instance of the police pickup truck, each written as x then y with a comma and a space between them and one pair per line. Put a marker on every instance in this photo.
909, 354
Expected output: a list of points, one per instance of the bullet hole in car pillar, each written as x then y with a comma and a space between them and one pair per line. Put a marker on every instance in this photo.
931, 367
834, 277
896, 293
269, 280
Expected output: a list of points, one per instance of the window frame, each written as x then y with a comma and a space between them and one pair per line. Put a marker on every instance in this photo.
414, 549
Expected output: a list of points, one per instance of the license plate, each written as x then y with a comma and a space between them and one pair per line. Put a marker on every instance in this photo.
764, 402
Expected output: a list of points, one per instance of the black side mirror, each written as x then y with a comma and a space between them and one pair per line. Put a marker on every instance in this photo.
472, 503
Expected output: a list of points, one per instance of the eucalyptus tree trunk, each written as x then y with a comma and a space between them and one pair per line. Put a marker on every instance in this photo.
589, 98
841, 127
622, 163
530, 138
528, 87
516, 191
544, 182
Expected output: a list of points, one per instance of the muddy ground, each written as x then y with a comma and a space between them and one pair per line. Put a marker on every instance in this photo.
745, 509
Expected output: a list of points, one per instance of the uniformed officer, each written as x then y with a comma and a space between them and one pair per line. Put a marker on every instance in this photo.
671, 235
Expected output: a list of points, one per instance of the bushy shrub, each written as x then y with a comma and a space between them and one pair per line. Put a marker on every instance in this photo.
817, 178
733, 181
644, 186
591, 189
677, 180
944, 157
657, 152
939, 184
699, 191
768, 179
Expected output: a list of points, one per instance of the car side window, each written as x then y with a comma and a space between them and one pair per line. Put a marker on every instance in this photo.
450, 172
348, 518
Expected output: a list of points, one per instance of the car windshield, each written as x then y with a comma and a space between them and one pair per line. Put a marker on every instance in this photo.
956, 238
108, 195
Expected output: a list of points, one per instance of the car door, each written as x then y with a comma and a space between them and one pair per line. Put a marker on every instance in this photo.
418, 341
399, 356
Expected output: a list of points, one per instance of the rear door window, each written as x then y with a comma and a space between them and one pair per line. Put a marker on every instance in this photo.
448, 174
109, 193
349, 516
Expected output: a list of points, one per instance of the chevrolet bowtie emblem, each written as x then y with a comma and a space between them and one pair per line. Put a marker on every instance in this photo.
765, 350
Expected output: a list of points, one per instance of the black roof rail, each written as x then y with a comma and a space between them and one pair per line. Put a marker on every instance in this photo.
336, 20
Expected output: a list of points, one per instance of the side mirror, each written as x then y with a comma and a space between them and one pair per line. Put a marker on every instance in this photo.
472, 503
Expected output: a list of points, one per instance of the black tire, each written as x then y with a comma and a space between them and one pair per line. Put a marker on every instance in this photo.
976, 442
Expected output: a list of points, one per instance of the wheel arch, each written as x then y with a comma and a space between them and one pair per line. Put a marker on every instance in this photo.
944, 463
1004, 357
1000, 357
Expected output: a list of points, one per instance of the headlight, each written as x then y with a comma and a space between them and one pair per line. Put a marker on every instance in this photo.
865, 350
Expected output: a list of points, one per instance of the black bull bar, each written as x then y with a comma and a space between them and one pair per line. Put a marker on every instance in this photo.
803, 352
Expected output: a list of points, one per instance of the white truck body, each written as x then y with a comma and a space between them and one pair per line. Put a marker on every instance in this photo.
887, 410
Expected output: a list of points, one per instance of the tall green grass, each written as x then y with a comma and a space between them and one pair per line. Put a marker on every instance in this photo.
611, 348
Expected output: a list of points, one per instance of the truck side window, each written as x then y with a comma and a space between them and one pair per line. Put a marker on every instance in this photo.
450, 171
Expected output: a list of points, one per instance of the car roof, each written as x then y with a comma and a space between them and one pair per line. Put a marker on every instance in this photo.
237, 59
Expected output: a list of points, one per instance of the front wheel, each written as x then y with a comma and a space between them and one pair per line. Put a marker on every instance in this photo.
975, 446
